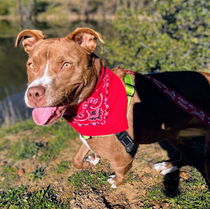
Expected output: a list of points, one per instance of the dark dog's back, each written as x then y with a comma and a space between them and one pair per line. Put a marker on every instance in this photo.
156, 108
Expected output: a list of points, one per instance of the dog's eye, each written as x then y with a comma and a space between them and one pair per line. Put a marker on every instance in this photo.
66, 65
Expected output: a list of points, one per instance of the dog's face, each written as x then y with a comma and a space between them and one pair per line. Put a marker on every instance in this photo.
61, 71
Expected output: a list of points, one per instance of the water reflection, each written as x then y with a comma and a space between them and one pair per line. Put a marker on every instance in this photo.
12, 64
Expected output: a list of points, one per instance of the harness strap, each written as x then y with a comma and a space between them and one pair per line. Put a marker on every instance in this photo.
127, 142
129, 87
85, 137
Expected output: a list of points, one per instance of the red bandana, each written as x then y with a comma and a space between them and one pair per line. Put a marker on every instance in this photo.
104, 111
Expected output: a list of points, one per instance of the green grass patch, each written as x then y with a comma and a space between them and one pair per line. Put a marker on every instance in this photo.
23, 149
3, 144
58, 129
37, 174
18, 127
82, 179
57, 135
61, 133
132, 177
53, 148
8, 176
62, 167
17, 198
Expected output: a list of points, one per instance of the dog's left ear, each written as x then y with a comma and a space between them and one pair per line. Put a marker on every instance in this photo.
86, 38
29, 37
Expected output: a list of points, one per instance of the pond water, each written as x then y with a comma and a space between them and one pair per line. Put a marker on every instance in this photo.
12, 63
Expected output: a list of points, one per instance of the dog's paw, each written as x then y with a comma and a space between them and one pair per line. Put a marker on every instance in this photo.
92, 160
165, 168
159, 166
112, 181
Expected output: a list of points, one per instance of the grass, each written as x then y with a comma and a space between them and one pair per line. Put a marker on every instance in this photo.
23, 149
37, 174
86, 178
24, 140
36, 151
8, 176
16, 198
53, 148
132, 177
58, 134
3, 145
59, 129
192, 194
20, 126
62, 167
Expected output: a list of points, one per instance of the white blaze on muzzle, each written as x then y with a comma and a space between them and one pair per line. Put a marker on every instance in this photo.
45, 80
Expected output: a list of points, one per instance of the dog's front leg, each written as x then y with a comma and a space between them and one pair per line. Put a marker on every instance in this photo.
120, 172
111, 149
79, 160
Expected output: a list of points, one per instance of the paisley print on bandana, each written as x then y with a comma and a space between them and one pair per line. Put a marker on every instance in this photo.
104, 111
95, 109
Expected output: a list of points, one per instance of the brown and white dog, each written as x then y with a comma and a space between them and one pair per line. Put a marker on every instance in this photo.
63, 71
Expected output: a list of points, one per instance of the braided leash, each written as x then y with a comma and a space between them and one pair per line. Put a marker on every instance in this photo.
182, 102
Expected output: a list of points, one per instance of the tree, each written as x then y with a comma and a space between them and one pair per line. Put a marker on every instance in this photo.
5, 7
166, 36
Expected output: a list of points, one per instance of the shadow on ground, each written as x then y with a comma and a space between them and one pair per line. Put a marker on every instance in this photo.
194, 156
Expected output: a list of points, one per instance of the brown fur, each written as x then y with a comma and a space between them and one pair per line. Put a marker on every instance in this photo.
152, 116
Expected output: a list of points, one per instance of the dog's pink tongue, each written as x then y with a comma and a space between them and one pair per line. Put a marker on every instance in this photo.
41, 116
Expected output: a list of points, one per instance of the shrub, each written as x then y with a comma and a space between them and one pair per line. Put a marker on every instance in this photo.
4, 7
167, 36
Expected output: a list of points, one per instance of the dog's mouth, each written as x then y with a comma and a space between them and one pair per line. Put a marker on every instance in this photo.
48, 115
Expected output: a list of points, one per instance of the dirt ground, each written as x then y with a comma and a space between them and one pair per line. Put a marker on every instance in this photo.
136, 192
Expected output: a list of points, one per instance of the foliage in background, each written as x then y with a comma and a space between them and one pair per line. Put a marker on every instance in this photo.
5, 7
167, 36
55, 9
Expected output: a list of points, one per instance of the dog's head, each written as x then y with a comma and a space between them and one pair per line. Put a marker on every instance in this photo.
61, 71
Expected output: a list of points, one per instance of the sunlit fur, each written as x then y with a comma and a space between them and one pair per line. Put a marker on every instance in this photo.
48, 57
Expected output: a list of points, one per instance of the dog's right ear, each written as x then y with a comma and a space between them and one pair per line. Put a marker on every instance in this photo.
30, 37
86, 38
